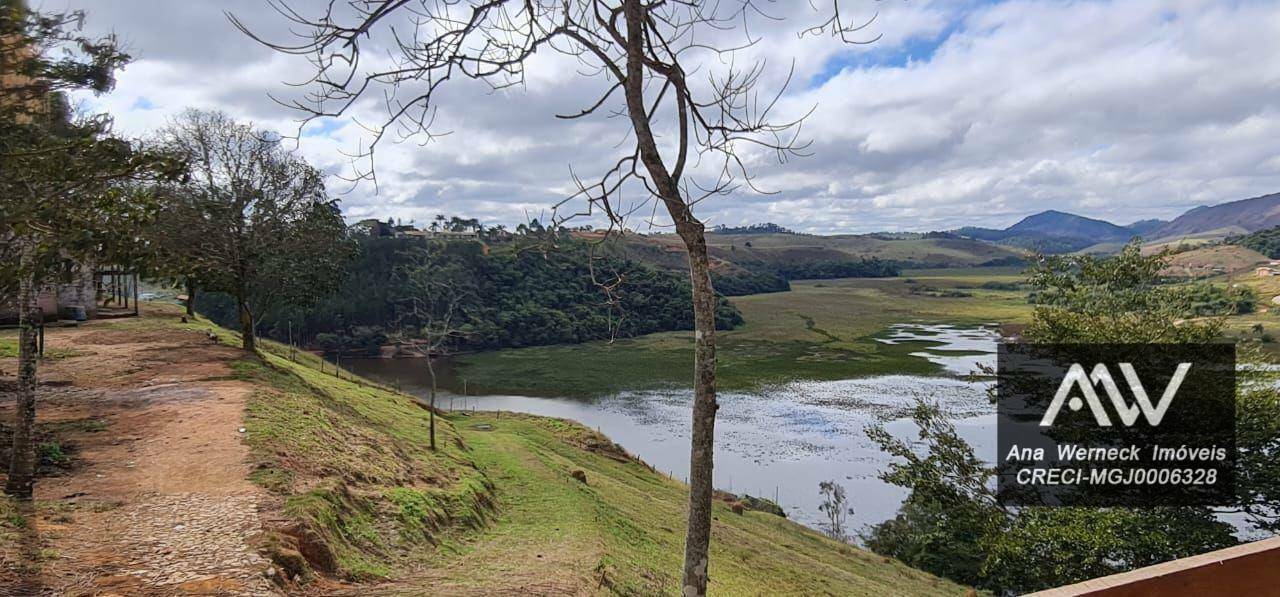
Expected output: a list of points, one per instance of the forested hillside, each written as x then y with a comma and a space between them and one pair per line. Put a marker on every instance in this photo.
1265, 241
520, 295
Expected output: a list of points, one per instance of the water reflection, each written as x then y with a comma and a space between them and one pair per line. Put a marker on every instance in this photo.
781, 441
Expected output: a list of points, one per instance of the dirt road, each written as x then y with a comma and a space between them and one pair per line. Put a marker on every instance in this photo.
146, 492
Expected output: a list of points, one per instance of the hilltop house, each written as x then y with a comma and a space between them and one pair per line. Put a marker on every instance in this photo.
378, 229
452, 234
375, 228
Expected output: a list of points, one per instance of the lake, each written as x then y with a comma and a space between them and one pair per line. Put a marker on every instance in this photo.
781, 440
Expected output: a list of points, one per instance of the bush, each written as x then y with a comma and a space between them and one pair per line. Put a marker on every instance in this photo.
1212, 300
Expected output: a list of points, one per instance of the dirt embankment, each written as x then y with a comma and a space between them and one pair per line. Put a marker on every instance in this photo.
144, 486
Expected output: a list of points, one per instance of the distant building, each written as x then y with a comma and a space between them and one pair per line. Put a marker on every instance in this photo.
112, 292
412, 233
453, 235
1268, 271
375, 228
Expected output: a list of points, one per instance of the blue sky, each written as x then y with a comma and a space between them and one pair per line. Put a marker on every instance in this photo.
919, 48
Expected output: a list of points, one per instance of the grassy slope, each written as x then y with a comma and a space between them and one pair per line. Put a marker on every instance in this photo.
819, 330
352, 462
622, 530
1267, 314
666, 250
940, 251
497, 510
1213, 260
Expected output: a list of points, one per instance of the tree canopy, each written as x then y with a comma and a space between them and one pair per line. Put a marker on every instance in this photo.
253, 221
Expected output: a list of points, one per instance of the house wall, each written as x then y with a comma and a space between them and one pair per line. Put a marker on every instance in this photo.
54, 299
80, 292
47, 301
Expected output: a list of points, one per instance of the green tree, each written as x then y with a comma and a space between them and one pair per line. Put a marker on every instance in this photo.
1047, 547
175, 240
836, 506
1118, 299
68, 189
950, 523
253, 221
1122, 299
951, 509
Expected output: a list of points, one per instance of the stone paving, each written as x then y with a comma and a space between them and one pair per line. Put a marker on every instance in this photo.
178, 539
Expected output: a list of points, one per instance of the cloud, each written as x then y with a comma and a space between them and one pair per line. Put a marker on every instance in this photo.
963, 113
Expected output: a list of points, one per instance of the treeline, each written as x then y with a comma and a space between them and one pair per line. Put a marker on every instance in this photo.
1193, 300
519, 296
777, 277
1265, 241
826, 270
765, 228
745, 282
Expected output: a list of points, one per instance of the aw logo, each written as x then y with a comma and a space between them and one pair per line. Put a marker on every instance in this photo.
1115, 424
1076, 378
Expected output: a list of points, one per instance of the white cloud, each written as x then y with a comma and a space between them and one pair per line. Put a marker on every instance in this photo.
1121, 109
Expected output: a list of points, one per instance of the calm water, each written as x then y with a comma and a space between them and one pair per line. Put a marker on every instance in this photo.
781, 441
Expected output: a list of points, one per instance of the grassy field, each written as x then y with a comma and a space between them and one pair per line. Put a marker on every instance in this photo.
820, 330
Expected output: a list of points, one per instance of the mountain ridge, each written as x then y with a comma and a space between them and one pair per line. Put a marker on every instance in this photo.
1053, 231
1056, 231
1252, 214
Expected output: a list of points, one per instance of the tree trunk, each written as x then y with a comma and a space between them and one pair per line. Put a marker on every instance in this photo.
246, 326
697, 541
431, 413
22, 464
191, 298
702, 441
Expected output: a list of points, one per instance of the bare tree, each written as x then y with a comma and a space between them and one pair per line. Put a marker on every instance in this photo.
710, 127
438, 292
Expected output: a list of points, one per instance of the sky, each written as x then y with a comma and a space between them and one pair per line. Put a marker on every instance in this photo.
961, 113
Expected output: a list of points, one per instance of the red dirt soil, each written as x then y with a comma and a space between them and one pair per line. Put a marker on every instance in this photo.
156, 500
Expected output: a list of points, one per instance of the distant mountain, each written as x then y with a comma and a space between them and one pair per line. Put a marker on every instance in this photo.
1065, 225
1144, 228
1247, 214
1053, 231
